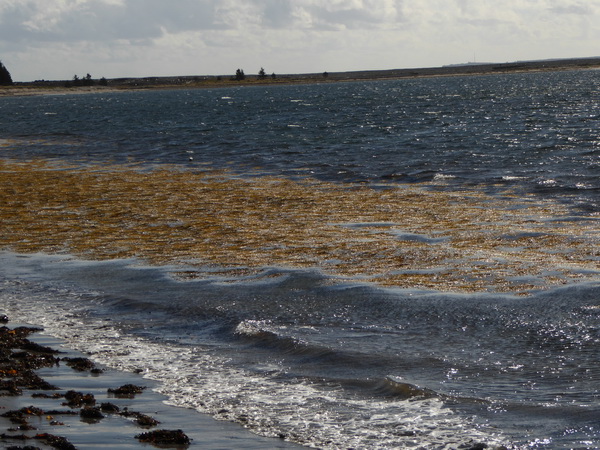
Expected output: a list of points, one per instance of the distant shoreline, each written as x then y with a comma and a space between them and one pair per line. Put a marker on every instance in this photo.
197, 82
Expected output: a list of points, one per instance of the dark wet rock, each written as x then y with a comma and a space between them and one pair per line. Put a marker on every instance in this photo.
20, 358
34, 361
53, 441
146, 421
141, 419
43, 395
19, 415
76, 399
30, 380
164, 437
474, 446
24, 427
3, 318
9, 388
23, 332
19, 420
56, 412
18, 353
33, 347
81, 364
109, 408
14, 437
91, 413
127, 390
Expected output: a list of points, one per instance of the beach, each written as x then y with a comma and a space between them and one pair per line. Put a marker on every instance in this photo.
51, 414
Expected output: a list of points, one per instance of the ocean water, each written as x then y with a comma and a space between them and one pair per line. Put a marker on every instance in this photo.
389, 264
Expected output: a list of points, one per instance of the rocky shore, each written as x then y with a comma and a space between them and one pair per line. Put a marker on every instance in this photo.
54, 398
20, 358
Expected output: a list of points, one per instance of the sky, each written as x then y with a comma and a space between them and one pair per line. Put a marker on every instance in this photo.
57, 39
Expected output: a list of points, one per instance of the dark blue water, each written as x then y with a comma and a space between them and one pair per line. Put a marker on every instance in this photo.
296, 353
539, 131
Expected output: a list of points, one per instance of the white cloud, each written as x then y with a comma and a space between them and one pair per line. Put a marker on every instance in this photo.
342, 14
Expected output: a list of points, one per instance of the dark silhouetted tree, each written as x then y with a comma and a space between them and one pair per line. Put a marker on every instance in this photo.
239, 75
325, 74
88, 81
103, 82
5, 78
261, 74
273, 75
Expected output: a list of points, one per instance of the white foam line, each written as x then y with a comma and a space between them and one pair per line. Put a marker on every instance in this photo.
192, 377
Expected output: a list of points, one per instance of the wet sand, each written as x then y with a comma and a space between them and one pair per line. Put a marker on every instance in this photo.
117, 431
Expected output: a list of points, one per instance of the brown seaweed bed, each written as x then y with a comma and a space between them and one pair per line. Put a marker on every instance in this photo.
407, 236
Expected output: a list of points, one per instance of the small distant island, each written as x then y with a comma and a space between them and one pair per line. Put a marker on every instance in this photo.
89, 84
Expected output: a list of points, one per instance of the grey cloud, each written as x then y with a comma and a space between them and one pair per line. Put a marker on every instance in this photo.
96, 21
276, 13
142, 20
577, 9
351, 18
183, 15
11, 23
372, 14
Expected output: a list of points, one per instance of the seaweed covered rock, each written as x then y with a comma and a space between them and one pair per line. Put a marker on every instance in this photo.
20, 358
91, 413
19, 416
81, 364
77, 399
32, 356
109, 408
142, 420
53, 441
164, 437
127, 390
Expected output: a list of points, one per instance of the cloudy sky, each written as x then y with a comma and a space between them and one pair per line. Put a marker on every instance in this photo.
55, 39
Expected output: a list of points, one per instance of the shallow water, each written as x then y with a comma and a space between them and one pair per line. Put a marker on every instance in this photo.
318, 361
532, 130
368, 265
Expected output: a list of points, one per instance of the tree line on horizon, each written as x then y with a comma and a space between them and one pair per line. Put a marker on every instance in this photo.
5, 78
240, 75
86, 81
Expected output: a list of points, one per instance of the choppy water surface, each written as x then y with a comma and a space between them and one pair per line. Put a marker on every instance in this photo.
499, 345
